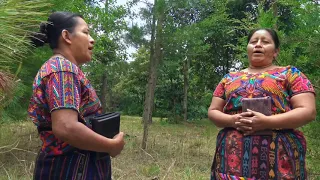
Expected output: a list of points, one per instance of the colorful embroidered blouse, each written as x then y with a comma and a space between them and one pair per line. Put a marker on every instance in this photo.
280, 84
60, 84
277, 156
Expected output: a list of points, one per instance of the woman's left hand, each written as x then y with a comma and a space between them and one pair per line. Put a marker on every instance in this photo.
255, 120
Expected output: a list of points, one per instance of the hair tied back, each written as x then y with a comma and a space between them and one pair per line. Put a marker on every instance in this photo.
43, 28
40, 38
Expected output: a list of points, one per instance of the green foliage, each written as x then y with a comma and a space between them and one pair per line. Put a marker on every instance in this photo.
18, 19
75, 6
15, 110
131, 87
266, 19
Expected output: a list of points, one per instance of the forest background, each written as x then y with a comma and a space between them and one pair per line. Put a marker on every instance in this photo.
163, 90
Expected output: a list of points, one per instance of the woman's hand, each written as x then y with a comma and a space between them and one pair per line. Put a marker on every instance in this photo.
242, 123
251, 122
235, 118
117, 146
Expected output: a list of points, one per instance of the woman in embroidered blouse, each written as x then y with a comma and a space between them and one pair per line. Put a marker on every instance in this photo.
240, 152
61, 96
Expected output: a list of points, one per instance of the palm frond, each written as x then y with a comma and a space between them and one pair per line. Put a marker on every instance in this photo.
18, 18
6, 82
6, 87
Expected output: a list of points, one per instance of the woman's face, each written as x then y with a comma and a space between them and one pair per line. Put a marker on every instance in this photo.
261, 49
82, 42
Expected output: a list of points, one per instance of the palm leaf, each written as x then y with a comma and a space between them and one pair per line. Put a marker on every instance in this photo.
6, 86
18, 19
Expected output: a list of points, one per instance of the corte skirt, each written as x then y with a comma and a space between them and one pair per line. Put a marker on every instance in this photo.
280, 155
75, 165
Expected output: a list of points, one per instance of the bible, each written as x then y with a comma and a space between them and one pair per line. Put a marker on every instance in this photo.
262, 105
107, 125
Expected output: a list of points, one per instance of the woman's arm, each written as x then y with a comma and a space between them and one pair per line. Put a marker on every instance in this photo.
65, 126
219, 118
303, 112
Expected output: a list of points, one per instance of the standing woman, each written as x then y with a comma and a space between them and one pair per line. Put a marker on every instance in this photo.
62, 98
240, 152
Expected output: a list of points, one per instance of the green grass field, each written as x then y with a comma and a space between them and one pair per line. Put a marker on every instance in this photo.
175, 151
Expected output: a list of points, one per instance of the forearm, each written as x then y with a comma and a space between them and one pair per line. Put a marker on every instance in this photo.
292, 119
80, 136
221, 119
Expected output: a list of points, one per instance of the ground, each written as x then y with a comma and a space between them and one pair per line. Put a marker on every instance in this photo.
175, 151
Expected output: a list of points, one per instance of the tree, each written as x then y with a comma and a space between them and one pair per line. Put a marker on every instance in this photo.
155, 58
108, 63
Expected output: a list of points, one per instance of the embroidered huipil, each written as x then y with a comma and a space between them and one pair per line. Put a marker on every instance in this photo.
280, 156
60, 84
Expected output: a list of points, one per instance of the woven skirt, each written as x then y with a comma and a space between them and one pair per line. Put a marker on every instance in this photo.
76, 165
280, 155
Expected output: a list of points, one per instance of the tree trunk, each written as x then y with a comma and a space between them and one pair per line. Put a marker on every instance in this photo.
185, 88
154, 62
103, 92
147, 107
275, 13
104, 80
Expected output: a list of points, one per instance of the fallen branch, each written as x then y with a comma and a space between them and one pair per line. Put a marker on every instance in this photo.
14, 144
149, 154
169, 169
5, 170
14, 148
18, 149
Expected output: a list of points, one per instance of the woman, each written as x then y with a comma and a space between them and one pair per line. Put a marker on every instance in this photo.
240, 152
62, 98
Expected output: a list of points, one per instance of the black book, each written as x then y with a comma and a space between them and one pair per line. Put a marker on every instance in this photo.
107, 125
262, 105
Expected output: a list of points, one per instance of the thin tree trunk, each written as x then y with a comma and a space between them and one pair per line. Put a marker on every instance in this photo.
227, 67
154, 62
275, 13
185, 88
103, 92
147, 107
104, 87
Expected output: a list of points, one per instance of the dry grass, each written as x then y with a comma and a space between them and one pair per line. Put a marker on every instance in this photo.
175, 151
19, 144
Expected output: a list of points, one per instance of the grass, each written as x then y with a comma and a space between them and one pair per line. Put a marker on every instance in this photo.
175, 151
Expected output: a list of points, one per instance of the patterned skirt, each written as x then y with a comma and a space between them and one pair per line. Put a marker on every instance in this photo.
277, 156
76, 165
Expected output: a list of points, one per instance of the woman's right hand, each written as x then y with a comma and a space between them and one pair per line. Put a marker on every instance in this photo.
118, 144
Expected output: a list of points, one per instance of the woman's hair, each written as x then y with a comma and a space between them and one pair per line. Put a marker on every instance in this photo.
272, 32
50, 31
